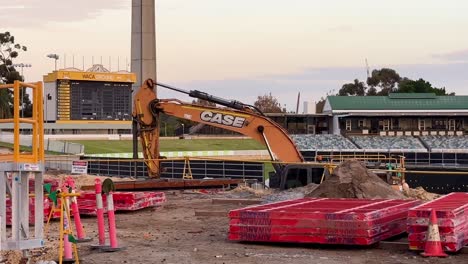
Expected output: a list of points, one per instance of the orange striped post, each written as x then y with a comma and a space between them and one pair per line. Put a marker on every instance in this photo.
433, 246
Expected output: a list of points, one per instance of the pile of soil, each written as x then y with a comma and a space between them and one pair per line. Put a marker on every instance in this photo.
351, 179
420, 193
83, 180
289, 194
243, 191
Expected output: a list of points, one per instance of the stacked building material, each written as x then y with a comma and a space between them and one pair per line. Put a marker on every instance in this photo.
321, 220
47, 209
123, 201
452, 219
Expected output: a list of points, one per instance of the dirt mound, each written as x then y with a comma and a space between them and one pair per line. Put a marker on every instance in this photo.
243, 191
289, 194
420, 193
351, 179
83, 180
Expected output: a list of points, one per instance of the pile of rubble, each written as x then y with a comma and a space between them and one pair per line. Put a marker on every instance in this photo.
352, 179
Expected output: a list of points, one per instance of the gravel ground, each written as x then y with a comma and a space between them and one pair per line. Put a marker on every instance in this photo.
174, 234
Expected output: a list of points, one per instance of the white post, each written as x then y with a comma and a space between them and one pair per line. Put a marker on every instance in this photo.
3, 176
39, 205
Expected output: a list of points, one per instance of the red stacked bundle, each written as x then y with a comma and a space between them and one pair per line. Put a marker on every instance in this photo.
123, 201
47, 209
452, 215
321, 220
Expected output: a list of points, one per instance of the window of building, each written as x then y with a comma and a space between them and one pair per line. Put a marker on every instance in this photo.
395, 124
422, 124
386, 125
348, 124
362, 123
451, 125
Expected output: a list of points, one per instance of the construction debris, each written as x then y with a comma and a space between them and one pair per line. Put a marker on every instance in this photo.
420, 193
246, 191
351, 179
81, 180
123, 201
452, 214
289, 194
236, 201
211, 213
321, 220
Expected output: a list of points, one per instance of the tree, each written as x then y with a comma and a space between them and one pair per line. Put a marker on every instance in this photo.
389, 81
420, 86
9, 50
268, 104
203, 102
386, 79
356, 88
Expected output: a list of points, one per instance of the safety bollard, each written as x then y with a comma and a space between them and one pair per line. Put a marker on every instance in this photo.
67, 246
80, 233
112, 230
100, 216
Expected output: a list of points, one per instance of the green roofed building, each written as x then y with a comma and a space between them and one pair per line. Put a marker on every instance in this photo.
411, 114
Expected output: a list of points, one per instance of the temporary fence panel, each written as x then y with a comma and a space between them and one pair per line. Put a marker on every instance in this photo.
174, 169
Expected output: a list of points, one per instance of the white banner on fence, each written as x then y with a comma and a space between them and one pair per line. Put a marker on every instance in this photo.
79, 167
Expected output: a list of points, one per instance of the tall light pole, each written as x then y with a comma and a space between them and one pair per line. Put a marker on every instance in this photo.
55, 57
183, 129
22, 65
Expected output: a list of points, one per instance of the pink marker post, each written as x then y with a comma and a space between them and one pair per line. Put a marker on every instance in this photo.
112, 229
100, 216
80, 233
67, 246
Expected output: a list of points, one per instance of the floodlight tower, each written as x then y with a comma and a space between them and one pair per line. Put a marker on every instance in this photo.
55, 57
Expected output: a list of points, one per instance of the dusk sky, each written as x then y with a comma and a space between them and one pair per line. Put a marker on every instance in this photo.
241, 49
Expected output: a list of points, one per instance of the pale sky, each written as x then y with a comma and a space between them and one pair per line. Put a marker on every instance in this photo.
245, 48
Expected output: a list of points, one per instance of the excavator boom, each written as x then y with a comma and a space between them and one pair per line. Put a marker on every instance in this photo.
244, 119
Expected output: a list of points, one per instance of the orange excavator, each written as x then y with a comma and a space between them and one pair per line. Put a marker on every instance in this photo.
234, 116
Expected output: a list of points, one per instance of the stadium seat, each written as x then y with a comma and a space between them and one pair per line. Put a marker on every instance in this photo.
322, 142
446, 142
386, 142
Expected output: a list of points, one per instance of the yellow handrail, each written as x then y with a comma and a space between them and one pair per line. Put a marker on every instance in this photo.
37, 122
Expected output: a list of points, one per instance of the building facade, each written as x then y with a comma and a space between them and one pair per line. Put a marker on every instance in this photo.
94, 101
398, 114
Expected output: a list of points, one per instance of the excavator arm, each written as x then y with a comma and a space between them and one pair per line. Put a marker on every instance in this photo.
245, 120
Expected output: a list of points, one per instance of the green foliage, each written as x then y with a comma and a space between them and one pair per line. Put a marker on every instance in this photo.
385, 81
420, 86
9, 50
356, 88
203, 102
5, 107
268, 104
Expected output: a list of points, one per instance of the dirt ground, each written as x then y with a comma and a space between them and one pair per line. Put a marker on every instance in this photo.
173, 234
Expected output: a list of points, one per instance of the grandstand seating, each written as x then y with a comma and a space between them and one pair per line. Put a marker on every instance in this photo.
322, 142
327, 142
385, 142
446, 142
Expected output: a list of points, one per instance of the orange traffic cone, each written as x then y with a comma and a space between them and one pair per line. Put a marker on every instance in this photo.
433, 247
